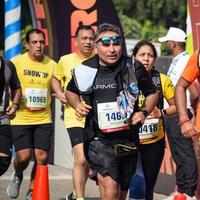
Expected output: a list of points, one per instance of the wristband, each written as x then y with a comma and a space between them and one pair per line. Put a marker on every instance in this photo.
183, 122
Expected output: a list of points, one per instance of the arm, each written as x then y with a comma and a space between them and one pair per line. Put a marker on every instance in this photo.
74, 99
187, 128
16, 91
16, 97
171, 110
147, 87
56, 86
81, 108
150, 103
180, 98
194, 96
167, 93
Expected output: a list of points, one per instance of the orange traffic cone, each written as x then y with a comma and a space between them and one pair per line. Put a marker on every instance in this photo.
41, 185
179, 197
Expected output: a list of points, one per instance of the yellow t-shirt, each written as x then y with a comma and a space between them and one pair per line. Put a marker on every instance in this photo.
168, 93
63, 73
35, 78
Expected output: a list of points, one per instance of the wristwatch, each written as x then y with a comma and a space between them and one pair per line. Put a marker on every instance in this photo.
145, 112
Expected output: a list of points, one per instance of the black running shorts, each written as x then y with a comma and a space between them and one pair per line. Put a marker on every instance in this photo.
32, 136
76, 135
103, 160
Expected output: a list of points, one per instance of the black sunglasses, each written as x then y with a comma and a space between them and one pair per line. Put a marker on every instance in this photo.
116, 40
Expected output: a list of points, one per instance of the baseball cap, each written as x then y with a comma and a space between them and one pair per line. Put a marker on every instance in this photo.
174, 34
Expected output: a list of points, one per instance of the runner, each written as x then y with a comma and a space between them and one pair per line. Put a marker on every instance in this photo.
84, 39
8, 81
32, 126
106, 81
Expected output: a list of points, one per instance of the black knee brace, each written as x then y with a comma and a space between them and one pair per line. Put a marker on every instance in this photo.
4, 164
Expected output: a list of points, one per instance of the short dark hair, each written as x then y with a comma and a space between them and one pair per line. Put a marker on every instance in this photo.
105, 27
142, 43
83, 27
31, 31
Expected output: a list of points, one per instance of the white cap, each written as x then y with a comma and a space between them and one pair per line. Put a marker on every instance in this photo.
173, 34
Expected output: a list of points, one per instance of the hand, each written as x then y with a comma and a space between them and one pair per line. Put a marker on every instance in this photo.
82, 110
138, 117
156, 113
189, 130
11, 111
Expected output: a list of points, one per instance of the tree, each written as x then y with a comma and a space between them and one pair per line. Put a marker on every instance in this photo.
150, 19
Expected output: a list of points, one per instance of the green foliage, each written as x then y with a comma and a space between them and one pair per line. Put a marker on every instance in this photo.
142, 19
152, 32
130, 26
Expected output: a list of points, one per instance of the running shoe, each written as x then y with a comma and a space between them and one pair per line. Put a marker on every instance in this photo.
71, 196
14, 186
29, 195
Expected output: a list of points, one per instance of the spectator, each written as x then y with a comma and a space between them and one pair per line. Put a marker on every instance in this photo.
181, 147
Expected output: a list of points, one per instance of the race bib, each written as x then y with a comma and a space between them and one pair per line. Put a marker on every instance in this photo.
36, 98
149, 130
109, 118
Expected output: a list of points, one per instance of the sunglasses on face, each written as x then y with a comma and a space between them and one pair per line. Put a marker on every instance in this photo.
116, 40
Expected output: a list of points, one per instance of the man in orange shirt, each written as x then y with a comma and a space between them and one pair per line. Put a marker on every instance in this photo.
188, 128
190, 73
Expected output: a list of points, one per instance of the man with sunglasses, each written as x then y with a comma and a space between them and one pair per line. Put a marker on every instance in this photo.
84, 41
109, 84
32, 127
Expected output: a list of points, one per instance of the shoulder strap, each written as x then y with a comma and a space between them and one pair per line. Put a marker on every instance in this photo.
198, 61
157, 82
